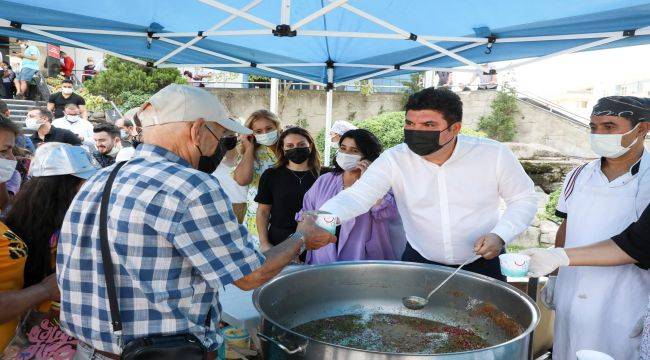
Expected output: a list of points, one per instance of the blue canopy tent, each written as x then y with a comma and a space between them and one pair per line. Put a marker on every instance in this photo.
330, 43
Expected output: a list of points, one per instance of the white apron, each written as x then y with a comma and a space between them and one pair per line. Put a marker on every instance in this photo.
597, 307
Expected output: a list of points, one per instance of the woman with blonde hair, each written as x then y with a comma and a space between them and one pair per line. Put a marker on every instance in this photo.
258, 152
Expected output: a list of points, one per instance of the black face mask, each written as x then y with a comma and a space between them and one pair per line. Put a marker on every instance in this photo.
424, 143
208, 164
297, 155
226, 144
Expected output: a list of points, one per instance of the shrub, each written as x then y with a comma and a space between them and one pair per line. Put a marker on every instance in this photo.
131, 99
121, 76
500, 123
551, 205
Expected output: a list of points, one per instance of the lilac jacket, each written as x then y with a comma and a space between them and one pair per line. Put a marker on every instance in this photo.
362, 238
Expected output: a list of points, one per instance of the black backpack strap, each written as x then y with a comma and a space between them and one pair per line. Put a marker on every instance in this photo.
109, 273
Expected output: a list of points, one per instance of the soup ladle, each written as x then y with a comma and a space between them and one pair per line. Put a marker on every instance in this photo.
416, 302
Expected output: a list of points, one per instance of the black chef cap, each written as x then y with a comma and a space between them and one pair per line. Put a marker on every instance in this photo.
634, 108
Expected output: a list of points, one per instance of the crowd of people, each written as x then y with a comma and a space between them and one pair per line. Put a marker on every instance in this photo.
15, 84
178, 199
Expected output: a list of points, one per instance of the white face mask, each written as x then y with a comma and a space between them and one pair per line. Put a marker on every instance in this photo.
67, 91
72, 118
32, 124
123, 134
116, 148
7, 168
347, 162
267, 139
609, 145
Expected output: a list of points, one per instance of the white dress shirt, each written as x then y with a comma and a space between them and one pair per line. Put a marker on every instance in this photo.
446, 209
81, 127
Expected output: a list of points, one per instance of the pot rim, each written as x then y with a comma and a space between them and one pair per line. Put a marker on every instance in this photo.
531, 304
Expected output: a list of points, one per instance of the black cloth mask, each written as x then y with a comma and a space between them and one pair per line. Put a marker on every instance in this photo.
297, 155
424, 143
208, 164
226, 144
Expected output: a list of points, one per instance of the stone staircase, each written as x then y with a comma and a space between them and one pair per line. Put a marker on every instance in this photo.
18, 111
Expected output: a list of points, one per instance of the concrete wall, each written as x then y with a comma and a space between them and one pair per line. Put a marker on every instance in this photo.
308, 107
534, 125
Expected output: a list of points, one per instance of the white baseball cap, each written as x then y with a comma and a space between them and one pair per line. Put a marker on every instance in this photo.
55, 158
176, 103
341, 127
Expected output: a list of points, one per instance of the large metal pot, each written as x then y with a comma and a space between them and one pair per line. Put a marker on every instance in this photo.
316, 292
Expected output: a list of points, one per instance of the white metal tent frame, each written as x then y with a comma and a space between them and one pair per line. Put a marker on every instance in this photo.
288, 29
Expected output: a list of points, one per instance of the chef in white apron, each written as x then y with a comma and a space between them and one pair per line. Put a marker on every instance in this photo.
598, 307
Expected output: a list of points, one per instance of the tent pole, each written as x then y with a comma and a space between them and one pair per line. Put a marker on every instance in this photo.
244, 63
328, 112
568, 51
428, 79
274, 95
328, 125
407, 35
313, 16
209, 52
34, 30
196, 39
241, 14
409, 64
285, 12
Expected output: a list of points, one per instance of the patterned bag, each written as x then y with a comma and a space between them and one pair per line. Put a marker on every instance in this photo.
39, 337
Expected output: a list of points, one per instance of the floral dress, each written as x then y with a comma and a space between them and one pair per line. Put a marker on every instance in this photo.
264, 159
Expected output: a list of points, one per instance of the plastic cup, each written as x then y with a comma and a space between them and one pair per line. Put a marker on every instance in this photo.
514, 265
327, 222
592, 355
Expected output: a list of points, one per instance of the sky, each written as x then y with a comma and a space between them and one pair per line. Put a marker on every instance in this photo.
604, 68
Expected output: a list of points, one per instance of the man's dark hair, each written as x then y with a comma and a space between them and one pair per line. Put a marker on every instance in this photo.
66, 81
443, 100
7, 125
3, 108
127, 122
44, 112
70, 106
112, 130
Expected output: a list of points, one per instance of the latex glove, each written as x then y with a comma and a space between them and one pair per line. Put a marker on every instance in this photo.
637, 330
547, 295
545, 261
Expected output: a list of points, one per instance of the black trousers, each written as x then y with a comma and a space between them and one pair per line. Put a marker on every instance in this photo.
490, 268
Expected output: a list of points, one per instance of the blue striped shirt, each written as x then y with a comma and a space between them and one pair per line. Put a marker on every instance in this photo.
175, 242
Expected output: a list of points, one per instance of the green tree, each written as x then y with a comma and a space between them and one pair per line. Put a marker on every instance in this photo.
500, 123
415, 84
121, 76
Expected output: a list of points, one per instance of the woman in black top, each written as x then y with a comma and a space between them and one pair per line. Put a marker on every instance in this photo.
282, 188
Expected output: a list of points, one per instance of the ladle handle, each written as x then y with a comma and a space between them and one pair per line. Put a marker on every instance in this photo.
277, 343
452, 274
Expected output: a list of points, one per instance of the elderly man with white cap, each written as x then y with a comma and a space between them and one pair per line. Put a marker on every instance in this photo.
165, 237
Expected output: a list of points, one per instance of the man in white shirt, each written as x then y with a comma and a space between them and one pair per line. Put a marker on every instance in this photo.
74, 122
448, 188
597, 307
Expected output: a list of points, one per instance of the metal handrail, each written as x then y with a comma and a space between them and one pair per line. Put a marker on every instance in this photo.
553, 107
